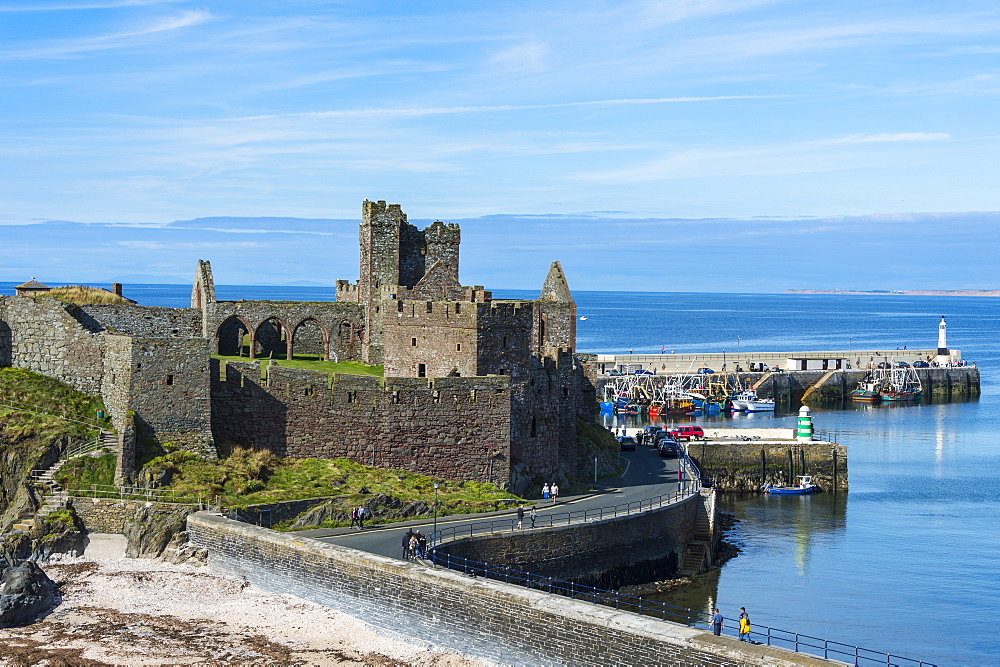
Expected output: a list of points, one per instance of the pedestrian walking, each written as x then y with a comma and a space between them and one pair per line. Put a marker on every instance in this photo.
555, 492
354, 517
421, 544
545, 492
361, 517
718, 623
406, 544
520, 516
532, 515
413, 546
744, 625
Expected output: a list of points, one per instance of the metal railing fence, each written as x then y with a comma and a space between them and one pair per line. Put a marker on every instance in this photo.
777, 637
689, 486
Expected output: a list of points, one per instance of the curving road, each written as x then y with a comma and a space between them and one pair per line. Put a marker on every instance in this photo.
646, 476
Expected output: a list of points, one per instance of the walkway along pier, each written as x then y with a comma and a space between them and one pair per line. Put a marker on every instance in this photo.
791, 389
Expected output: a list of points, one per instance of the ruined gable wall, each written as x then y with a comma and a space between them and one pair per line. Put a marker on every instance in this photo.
142, 320
44, 338
456, 428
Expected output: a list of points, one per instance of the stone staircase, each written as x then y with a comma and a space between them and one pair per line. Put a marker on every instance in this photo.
760, 383
818, 384
696, 551
54, 497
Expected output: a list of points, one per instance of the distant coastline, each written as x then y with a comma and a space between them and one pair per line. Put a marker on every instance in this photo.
915, 292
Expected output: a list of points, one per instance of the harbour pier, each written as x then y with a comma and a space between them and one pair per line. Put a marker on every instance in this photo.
796, 378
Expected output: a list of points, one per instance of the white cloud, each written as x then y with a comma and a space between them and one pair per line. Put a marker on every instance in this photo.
183, 20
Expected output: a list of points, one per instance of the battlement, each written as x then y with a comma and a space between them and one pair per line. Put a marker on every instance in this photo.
439, 232
381, 213
347, 291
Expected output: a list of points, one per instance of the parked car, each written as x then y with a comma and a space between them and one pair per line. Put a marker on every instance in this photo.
705, 371
883, 364
669, 449
627, 443
902, 364
613, 371
690, 432
643, 371
921, 364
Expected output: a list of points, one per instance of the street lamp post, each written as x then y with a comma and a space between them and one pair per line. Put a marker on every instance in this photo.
436, 485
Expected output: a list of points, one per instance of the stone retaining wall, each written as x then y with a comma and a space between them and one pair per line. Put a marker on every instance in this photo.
632, 549
111, 515
486, 619
736, 466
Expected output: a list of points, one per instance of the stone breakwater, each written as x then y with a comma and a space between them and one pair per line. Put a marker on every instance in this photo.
487, 619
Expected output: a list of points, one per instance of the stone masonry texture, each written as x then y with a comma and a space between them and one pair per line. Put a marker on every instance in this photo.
474, 387
482, 618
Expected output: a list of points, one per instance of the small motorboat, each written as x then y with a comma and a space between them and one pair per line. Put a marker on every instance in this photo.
805, 486
749, 401
583, 317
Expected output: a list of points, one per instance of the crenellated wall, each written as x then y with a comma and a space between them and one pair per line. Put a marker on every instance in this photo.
450, 427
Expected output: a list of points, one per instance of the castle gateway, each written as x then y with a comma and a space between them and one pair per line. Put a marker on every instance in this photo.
474, 387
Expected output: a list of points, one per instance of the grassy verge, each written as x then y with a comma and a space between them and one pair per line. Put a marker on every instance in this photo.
35, 406
81, 295
311, 363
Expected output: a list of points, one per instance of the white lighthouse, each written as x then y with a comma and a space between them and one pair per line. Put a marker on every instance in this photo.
943, 356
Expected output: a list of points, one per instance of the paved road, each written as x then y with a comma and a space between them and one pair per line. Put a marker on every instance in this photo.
647, 476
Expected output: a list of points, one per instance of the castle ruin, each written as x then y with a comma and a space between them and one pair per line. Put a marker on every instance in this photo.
474, 388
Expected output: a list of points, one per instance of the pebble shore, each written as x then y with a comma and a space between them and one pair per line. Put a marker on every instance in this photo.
150, 612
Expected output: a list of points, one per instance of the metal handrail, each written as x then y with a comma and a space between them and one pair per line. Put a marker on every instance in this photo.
689, 486
785, 639
134, 493
12, 406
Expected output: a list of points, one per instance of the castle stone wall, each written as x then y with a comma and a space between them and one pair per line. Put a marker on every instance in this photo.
450, 427
141, 320
43, 337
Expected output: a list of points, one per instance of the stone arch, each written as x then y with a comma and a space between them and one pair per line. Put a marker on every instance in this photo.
271, 338
230, 337
6, 345
310, 337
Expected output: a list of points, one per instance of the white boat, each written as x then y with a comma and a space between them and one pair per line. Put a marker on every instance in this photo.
583, 317
748, 401
805, 486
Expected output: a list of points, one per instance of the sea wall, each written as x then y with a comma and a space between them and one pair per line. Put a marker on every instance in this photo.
743, 467
486, 619
630, 549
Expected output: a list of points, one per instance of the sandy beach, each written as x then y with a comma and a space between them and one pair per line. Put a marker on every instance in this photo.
150, 612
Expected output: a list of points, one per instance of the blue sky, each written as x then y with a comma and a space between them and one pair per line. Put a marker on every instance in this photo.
705, 131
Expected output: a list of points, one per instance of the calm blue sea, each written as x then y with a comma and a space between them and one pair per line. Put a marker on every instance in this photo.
909, 560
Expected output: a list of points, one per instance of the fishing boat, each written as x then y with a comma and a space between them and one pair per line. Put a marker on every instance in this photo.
870, 387
749, 401
903, 384
805, 486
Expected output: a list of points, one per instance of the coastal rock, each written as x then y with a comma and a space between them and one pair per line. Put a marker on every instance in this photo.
25, 592
180, 550
149, 532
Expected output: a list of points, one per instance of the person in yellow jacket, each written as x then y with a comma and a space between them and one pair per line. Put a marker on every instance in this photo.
744, 625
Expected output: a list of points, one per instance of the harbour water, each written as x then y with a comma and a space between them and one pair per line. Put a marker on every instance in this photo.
907, 560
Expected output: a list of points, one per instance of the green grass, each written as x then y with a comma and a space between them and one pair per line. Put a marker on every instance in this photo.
312, 363
82, 472
20, 388
252, 477
81, 295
